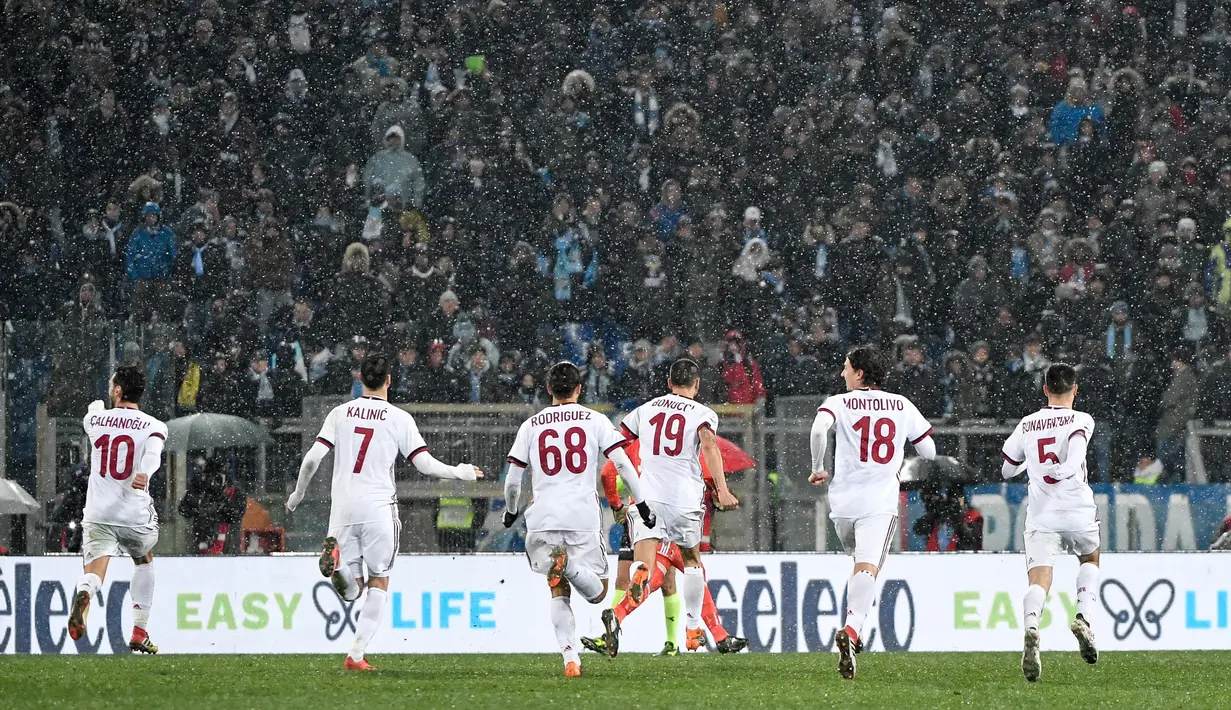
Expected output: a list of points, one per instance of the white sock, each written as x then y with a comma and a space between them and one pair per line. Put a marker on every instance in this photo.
142, 593
584, 581
353, 590
89, 582
1087, 591
692, 586
859, 593
566, 628
1032, 606
369, 621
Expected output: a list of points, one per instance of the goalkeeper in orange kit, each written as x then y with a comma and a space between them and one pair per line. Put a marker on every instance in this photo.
663, 575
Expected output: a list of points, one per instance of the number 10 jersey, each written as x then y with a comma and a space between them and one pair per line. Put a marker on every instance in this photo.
871, 428
562, 446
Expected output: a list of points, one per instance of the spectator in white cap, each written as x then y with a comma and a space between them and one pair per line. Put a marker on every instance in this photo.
752, 225
396, 170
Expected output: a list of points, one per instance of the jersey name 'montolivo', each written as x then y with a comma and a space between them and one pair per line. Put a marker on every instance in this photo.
1049, 423
874, 405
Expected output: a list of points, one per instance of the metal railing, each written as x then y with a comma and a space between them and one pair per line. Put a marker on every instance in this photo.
780, 510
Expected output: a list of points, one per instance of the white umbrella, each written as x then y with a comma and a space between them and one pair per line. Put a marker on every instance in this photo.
14, 500
213, 431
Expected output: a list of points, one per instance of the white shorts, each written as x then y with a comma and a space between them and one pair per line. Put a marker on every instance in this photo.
1043, 546
101, 540
372, 544
867, 539
679, 525
585, 550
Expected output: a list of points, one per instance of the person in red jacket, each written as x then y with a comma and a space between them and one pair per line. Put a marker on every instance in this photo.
740, 372
663, 576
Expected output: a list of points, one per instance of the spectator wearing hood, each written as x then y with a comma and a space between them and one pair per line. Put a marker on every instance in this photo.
740, 372
399, 108
598, 378
478, 379
149, 262
975, 302
636, 384
269, 268
466, 339
914, 379
395, 170
358, 302
81, 345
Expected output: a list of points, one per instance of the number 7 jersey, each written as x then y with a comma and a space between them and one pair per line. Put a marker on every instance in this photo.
871, 429
562, 446
366, 436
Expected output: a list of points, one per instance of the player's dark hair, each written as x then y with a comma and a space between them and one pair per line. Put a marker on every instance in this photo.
684, 373
1061, 378
374, 370
131, 381
872, 362
563, 379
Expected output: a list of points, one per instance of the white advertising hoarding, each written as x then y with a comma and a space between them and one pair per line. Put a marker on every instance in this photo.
494, 604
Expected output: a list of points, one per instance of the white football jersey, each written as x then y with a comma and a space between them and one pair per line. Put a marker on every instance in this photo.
671, 451
366, 435
562, 446
119, 441
1041, 441
871, 429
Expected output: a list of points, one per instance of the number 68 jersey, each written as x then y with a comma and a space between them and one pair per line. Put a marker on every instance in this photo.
562, 446
871, 429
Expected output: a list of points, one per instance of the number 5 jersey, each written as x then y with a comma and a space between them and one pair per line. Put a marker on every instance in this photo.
1041, 441
123, 442
872, 428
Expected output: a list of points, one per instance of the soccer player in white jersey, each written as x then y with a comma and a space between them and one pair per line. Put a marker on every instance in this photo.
1060, 512
366, 435
125, 450
872, 428
677, 431
561, 446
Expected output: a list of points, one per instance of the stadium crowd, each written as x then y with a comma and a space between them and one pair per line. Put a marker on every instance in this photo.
265, 191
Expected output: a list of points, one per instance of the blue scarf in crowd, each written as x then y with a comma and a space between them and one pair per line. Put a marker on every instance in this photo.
1111, 340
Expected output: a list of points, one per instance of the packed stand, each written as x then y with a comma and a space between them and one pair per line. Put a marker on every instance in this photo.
265, 191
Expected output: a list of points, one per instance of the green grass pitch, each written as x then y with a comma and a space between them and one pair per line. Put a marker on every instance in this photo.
914, 680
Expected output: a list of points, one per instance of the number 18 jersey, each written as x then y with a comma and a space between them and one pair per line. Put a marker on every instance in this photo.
562, 446
1041, 441
871, 428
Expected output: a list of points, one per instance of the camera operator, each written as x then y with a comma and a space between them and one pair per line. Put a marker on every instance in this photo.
949, 524
216, 508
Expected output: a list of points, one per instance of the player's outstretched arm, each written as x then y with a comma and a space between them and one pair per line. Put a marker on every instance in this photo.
713, 460
307, 469
632, 484
819, 439
429, 466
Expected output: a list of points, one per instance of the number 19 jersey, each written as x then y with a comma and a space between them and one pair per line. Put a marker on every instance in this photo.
1041, 441
366, 436
871, 429
561, 446
671, 453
